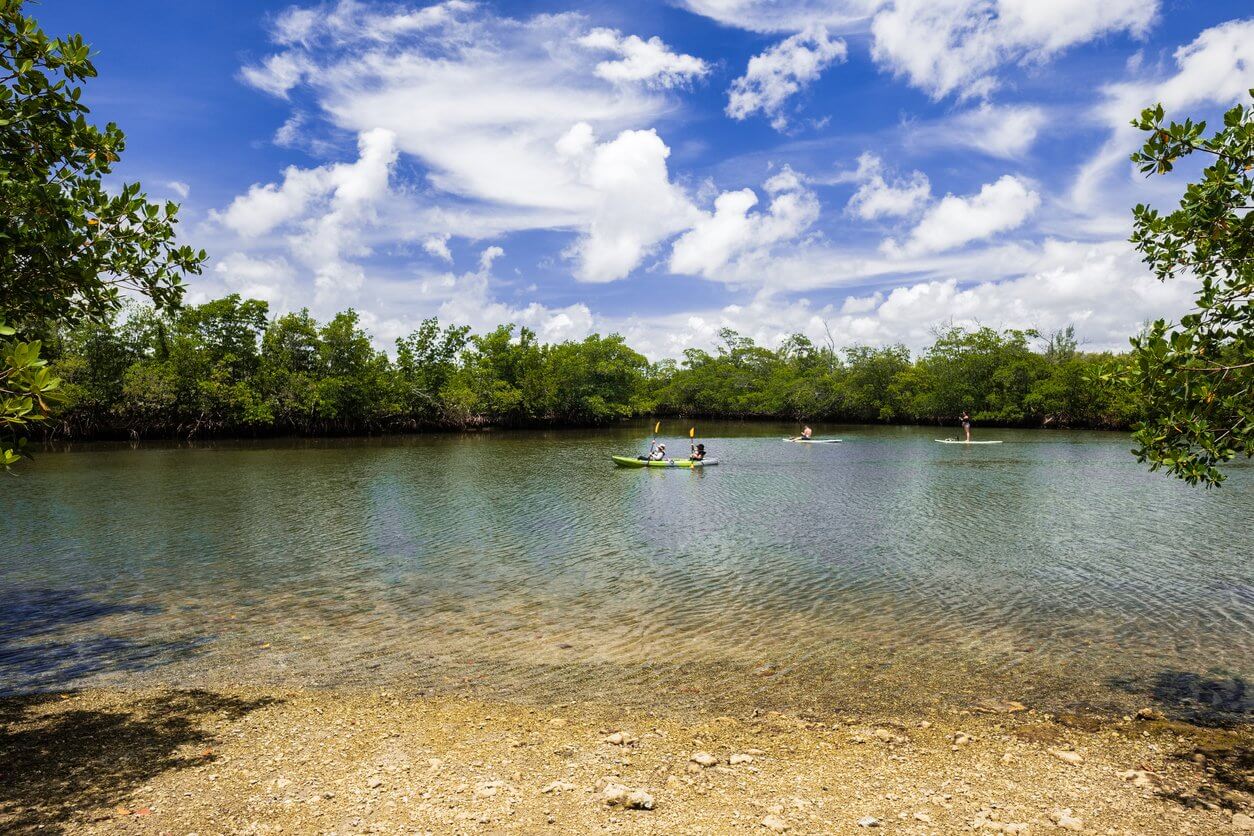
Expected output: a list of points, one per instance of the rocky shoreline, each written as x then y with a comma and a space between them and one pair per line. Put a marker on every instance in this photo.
202, 762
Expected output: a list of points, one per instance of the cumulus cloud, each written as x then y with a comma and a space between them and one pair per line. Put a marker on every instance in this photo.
876, 197
954, 221
1100, 288
734, 236
650, 62
636, 205
781, 71
322, 210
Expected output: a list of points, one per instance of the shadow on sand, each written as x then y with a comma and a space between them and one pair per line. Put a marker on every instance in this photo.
1215, 710
46, 640
57, 761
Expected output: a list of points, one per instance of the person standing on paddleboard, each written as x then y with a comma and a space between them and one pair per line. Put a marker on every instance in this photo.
966, 424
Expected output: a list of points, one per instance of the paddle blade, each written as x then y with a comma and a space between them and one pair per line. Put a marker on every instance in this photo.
657, 427
692, 433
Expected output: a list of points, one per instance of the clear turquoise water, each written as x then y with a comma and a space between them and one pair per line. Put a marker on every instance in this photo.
887, 572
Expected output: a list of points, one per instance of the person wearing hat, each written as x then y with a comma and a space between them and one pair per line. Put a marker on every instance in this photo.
698, 453
658, 454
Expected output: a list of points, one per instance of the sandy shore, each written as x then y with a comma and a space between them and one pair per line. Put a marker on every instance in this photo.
183, 762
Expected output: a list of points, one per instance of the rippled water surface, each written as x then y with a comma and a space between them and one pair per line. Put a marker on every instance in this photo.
887, 571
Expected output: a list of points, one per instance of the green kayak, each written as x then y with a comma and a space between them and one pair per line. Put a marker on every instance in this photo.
632, 461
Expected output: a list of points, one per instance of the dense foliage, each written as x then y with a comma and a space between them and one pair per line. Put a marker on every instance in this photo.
1196, 379
68, 244
225, 367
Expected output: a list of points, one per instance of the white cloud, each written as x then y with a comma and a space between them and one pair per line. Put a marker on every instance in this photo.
878, 198
636, 206
946, 46
278, 74
955, 46
469, 301
179, 188
488, 256
437, 245
288, 134
1005, 131
954, 221
323, 210
270, 279
1216, 68
788, 16
733, 236
1100, 288
650, 62
351, 21
779, 72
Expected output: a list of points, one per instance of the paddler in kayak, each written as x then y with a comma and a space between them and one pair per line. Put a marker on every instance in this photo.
698, 453
658, 453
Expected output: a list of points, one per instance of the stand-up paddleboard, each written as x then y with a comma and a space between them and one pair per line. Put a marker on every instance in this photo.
813, 440
960, 441
631, 461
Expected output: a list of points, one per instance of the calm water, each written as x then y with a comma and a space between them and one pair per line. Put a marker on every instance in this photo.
887, 572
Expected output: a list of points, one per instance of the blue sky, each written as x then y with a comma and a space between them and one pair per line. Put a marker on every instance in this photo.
868, 169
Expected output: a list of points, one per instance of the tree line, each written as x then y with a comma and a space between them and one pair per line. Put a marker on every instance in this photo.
227, 367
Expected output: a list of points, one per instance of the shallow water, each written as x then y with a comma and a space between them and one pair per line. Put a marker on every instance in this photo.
887, 572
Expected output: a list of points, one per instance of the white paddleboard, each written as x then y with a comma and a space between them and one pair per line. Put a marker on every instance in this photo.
960, 441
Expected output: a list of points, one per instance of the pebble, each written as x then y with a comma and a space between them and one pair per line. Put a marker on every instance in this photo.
703, 759
775, 824
620, 739
868, 821
1240, 821
557, 786
962, 738
1142, 778
1148, 714
736, 760
1067, 756
923, 817
616, 795
888, 737
1066, 820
